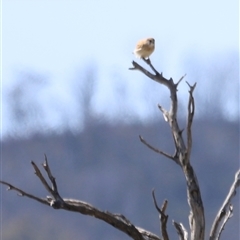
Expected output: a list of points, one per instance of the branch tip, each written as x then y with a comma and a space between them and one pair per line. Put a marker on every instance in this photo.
162, 216
192, 87
164, 205
180, 80
225, 212
182, 232
157, 150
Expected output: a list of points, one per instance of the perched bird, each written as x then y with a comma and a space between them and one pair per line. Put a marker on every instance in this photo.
144, 48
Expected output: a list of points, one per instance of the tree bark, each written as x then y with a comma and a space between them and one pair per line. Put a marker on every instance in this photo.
182, 152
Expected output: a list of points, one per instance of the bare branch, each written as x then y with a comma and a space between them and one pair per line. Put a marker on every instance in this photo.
164, 206
164, 112
157, 150
162, 217
224, 208
40, 176
23, 193
182, 153
191, 110
157, 77
180, 79
50, 176
182, 232
57, 202
148, 61
54, 190
143, 70
226, 218
147, 235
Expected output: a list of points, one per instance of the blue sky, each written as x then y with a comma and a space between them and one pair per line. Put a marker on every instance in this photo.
61, 39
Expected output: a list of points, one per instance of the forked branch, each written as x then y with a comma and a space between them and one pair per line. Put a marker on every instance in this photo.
162, 216
182, 232
191, 111
226, 209
157, 150
181, 157
182, 152
57, 202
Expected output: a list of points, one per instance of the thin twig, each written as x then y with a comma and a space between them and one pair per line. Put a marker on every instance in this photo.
180, 79
54, 190
164, 205
148, 61
181, 230
157, 150
157, 77
57, 202
164, 112
40, 176
162, 217
191, 111
223, 210
50, 176
136, 66
227, 217
23, 193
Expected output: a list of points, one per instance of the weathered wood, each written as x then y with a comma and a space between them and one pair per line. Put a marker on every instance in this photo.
182, 152
118, 221
225, 212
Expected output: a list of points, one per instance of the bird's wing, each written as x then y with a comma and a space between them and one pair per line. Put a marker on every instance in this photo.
141, 44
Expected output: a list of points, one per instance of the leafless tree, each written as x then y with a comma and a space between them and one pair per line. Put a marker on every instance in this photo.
181, 156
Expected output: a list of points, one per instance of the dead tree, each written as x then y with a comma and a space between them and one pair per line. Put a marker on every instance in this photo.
181, 156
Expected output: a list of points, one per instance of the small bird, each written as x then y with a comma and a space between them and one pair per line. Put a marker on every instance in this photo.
144, 48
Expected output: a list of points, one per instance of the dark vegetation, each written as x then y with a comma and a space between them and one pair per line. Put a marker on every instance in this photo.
108, 167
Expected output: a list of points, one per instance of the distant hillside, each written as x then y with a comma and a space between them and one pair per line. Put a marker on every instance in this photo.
108, 167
